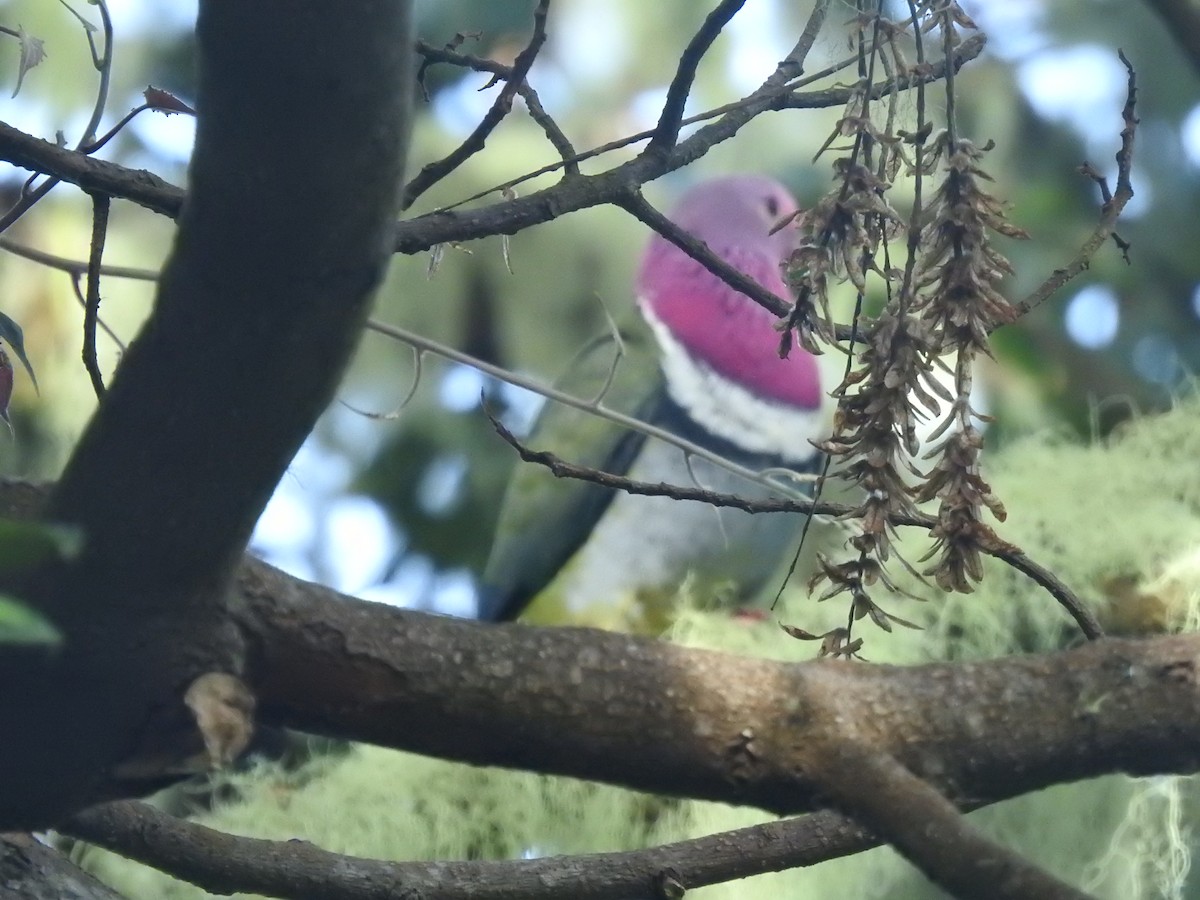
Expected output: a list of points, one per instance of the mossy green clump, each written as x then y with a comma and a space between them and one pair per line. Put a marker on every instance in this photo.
1118, 521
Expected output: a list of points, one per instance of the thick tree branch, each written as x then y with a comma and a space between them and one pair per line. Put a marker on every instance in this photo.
715, 726
29, 870
258, 311
656, 717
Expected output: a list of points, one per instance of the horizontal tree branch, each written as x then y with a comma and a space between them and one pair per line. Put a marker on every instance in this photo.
653, 716
258, 311
225, 864
693, 722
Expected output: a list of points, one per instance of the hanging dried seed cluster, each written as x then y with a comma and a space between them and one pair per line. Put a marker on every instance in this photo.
941, 305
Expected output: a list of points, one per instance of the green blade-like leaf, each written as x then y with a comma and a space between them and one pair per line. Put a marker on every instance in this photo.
21, 625
25, 545
11, 333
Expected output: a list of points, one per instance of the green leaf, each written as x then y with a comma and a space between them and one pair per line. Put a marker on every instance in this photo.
26, 545
11, 333
21, 625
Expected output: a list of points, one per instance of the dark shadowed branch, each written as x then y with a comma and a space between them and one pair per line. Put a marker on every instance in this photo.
888, 798
258, 310
666, 132
91, 305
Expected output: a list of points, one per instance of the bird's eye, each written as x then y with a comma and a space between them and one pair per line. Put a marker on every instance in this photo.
772, 206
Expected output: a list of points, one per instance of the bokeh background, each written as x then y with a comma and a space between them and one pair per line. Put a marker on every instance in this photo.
399, 506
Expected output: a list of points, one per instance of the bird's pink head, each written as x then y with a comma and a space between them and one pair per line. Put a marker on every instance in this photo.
717, 326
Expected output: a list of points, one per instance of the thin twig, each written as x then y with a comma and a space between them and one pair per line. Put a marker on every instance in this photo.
666, 132
103, 63
589, 406
436, 171
91, 308
80, 295
791, 98
533, 103
1109, 212
1084, 617
637, 206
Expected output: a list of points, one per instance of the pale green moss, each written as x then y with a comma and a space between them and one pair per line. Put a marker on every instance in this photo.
1119, 522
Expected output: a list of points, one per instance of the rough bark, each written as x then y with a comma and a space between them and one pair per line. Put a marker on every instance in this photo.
303, 114
29, 870
655, 716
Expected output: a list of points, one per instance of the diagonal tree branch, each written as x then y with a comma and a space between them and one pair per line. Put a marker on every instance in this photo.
666, 132
1008, 553
888, 798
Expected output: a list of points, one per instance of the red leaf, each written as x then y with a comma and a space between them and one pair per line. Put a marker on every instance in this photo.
165, 102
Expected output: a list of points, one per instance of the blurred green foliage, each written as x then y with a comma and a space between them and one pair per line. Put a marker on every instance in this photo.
601, 75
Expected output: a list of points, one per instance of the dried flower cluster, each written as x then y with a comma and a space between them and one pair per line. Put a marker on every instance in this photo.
942, 304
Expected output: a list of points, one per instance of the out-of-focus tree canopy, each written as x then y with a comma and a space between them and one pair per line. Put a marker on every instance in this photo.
1047, 91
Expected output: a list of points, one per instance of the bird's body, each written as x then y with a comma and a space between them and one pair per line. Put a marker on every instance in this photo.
708, 372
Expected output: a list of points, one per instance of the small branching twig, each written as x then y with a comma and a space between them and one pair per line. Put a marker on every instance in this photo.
790, 98
436, 171
533, 103
1110, 211
102, 61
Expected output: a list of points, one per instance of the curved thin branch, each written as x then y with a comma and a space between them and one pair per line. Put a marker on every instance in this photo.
225, 864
